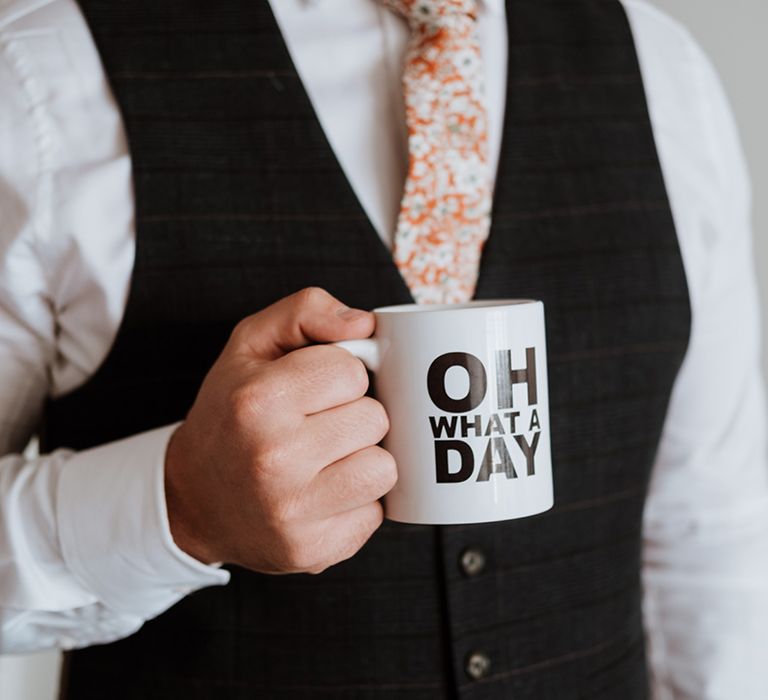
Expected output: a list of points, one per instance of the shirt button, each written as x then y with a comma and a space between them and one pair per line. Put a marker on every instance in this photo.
472, 561
478, 665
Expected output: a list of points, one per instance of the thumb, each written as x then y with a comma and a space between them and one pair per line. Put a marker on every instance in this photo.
309, 316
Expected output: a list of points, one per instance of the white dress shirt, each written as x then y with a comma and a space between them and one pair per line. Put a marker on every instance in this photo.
86, 553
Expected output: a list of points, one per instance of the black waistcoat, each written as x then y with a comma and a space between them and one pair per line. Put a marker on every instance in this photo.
241, 201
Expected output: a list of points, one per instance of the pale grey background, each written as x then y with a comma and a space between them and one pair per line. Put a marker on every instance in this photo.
733, 33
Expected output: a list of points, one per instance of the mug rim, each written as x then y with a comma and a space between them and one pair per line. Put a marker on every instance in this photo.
467, 305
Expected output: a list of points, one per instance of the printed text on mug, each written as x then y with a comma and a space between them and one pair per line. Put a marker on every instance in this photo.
505, 447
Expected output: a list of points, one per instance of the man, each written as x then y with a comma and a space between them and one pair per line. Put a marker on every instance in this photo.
269, 154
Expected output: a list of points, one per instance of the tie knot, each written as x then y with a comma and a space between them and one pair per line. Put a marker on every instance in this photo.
433, 13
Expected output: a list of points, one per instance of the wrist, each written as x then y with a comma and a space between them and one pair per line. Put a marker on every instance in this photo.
183, 514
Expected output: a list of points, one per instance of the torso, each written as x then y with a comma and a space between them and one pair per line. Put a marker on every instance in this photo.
558, 608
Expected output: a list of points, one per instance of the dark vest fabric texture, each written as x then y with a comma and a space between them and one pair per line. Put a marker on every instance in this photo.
240, 201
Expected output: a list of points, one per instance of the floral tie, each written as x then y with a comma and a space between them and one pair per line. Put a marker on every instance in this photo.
445, 212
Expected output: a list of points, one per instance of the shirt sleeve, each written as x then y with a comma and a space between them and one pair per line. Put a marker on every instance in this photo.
706, 520
86, 554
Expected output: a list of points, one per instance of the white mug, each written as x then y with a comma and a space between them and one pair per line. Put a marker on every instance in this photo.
465, 388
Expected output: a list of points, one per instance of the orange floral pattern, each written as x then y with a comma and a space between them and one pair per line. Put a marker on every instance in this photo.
445, 213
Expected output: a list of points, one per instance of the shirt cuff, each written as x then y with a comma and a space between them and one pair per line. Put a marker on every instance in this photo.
114, 530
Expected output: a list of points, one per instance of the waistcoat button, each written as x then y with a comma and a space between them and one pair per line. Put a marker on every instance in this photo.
472, 561
478, 665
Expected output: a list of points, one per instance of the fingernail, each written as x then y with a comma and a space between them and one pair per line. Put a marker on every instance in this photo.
350, 314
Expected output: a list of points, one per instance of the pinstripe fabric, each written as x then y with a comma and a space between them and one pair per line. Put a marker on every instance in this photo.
240, 201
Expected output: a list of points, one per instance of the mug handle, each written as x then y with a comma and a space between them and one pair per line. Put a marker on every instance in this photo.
368, 351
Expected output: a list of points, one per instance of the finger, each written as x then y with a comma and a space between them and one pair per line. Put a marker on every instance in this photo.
317, 378
332, 435
324, 438
350, 483
348, 532
309, 316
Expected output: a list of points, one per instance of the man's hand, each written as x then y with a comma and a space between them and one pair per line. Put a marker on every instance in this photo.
277, 467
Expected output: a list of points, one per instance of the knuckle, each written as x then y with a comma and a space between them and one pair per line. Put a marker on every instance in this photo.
365, 527
272, 514
277, 522
371, 473
273, 458
309, 298
329, 363
258, 394
348, 542
355, 373
243, 330
301, 555
387, 469
252, 402
378, 474
377, 518
292, 554
244, 403
375, 416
